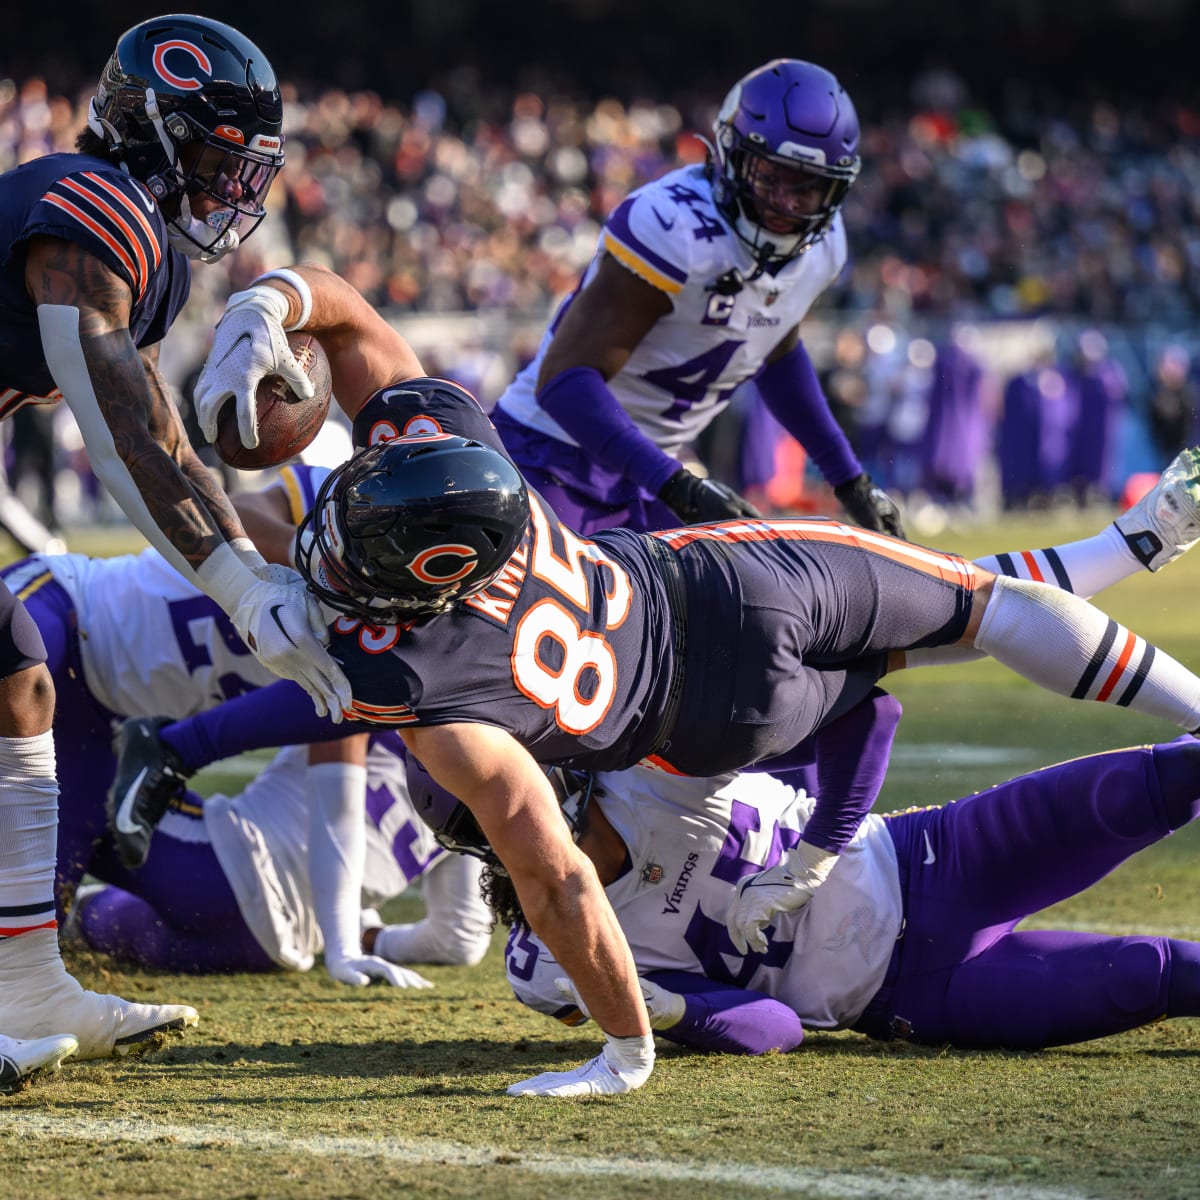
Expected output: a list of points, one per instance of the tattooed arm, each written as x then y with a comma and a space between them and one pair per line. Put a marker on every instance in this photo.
149, 449
136, 445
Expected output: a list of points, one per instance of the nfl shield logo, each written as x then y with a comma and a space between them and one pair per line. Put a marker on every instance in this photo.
652, 873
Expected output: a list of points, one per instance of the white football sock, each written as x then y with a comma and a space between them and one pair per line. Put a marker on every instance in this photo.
28, 834
1085, 567
1064, 644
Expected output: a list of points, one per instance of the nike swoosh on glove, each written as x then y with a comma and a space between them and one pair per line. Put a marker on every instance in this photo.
249, 344
283, 626
785, 887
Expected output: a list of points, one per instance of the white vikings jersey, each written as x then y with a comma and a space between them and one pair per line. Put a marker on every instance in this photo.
151, 642
683, 373
261, 841
689, 843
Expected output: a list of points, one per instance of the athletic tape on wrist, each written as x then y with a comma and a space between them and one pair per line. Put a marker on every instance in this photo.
298, 282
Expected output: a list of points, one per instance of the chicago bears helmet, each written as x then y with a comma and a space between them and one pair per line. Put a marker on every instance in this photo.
786, 154
191, 107
454, 824
409, 527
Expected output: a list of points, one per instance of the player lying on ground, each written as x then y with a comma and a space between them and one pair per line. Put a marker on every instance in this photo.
234, 885
913, 935
496, 639
129, 637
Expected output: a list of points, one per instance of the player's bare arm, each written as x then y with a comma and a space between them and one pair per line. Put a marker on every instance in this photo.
605, 323
145, 427
268, 522
365, 352
560, 893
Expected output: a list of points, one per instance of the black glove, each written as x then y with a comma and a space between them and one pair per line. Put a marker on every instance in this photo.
694, 500
869, 506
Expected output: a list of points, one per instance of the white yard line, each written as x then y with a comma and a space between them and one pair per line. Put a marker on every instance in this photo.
824, 1184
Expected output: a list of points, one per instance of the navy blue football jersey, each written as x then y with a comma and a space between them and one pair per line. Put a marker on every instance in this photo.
569, 650
112, 216
580, 651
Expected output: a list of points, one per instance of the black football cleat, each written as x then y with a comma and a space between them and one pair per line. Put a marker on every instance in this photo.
149, 776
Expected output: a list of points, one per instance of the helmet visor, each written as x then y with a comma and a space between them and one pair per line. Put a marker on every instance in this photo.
235, 179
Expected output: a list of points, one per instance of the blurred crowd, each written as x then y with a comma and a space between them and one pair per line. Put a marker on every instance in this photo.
964, 222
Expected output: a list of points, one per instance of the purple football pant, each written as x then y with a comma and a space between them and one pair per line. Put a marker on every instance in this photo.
971, 870
177, 912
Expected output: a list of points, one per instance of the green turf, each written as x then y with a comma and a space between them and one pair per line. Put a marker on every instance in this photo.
247, 1105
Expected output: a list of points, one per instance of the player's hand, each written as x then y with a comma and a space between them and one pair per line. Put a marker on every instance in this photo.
249, 344
358, 972
281, 621
664, 1008
869, 505
694, 500
623, 1065
786, 887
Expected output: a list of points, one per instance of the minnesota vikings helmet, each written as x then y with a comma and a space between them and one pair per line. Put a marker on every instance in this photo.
786, 154
454, 824
191, 107
408, 527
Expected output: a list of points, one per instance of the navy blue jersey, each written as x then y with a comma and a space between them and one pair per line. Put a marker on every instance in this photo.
569, 649
781, 626
112, 216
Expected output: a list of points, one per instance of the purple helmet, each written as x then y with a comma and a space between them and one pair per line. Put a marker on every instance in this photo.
787, 153
454, 824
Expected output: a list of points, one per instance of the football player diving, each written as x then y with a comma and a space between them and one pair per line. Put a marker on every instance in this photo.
495, 639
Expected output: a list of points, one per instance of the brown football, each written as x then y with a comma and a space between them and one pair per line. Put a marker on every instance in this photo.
286, 424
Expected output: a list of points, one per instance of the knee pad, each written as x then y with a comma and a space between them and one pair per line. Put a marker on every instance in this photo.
1177, 765
1136, 984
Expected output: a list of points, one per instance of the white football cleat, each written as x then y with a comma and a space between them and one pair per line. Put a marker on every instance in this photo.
1165, 522
39, 999
21, 1059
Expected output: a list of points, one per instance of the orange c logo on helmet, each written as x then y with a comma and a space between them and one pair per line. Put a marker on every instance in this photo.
420, 564
231, 133
188, 83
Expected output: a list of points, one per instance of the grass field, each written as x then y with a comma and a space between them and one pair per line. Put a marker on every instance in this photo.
298, 1087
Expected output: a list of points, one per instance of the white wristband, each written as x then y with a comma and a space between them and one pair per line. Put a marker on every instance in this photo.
225, 577
300, 284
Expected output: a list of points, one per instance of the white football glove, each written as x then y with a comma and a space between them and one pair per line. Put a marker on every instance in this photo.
664, 1008
623, 1065
280, 620
358, 972
249, 344
786, 887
